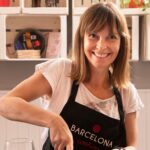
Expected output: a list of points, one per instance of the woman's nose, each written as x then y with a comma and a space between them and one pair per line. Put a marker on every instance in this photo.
101, 44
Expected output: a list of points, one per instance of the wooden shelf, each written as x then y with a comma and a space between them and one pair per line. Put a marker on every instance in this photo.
10, 10
126, 11
135, 11
60, 9
45, 10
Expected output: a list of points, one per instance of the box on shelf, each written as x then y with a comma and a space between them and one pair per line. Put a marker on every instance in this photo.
51, 27
28, 54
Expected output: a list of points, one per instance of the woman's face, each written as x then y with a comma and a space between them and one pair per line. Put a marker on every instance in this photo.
101, 48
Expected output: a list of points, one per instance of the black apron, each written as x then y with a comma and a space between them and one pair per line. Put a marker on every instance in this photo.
92, 130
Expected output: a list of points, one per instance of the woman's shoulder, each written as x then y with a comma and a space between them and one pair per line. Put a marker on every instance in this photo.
57, 62
130, 93
131, 99
130, 88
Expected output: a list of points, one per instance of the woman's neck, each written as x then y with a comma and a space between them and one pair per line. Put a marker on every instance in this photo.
100, 85
99, 79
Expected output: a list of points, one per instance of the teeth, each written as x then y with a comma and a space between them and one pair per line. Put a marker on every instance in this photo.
101, 55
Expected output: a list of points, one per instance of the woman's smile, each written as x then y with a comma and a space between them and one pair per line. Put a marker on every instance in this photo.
100, 55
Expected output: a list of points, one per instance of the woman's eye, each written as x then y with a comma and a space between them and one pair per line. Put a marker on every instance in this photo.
113, 37
92, 35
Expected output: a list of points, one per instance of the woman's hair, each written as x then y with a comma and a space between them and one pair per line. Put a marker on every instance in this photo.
93, 20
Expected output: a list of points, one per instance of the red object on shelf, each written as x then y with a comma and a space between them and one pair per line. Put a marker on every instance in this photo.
136, 4
141, 2
4, 3
132, 4
37, 43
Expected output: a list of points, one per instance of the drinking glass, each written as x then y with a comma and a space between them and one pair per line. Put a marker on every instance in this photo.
19, 144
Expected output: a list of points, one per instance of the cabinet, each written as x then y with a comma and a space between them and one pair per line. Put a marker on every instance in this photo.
49, 23
138, 23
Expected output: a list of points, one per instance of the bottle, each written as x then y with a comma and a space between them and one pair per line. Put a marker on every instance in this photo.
36, 3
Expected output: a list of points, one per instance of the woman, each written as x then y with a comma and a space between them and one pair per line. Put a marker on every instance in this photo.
90, 96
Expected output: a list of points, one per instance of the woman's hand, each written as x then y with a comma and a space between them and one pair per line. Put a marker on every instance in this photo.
60, 135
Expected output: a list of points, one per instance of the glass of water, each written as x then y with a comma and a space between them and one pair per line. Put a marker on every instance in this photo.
19, 144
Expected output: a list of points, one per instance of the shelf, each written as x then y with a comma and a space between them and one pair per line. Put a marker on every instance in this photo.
46, 10
128, 11
10, 10
80, 6
135, 11
60, 9
53, 29
25, 7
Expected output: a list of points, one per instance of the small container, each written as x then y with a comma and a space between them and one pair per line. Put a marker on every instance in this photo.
28, 54
50, 3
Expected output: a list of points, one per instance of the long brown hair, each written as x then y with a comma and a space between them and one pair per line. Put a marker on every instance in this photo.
94, 19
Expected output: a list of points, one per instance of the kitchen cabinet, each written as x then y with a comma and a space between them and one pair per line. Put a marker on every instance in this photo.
49, 21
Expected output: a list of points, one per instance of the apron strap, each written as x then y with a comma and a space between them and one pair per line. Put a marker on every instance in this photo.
121, 114
73, 92
120, 105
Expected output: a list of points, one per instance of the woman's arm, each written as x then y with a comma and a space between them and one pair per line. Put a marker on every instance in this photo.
131, 130
15, 106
